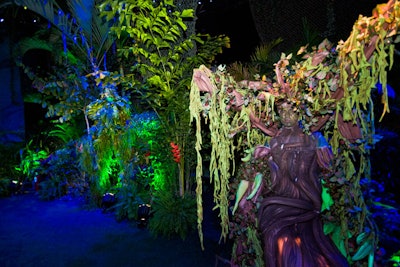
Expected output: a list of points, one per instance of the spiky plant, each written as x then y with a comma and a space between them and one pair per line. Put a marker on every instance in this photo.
173, 215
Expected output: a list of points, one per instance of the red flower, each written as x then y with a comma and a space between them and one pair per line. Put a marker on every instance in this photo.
175, 152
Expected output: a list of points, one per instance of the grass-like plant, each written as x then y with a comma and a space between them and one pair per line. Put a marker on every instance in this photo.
173, 215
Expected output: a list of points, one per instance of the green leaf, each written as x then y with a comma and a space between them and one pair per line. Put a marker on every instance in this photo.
187, 13
155, 59
155, 80
182, 25
327, 200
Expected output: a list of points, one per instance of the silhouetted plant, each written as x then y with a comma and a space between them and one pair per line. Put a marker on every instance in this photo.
52, 188
173, 215
261, 62
7, 167
4, 187
381, 195
385, 213
66, 131
128, 201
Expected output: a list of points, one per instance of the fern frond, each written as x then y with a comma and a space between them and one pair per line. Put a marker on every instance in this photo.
263, 51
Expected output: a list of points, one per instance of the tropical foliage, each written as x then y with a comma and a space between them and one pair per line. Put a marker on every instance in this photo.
111, 59
161, 63
65, 90
173, 215
30, 160
59, 175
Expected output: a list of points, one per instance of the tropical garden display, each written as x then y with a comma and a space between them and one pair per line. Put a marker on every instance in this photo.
137, 111
118, 94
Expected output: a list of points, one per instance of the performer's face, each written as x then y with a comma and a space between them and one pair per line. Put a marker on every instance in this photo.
288, 116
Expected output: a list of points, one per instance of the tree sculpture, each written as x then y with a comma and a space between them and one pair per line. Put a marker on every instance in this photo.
330, 91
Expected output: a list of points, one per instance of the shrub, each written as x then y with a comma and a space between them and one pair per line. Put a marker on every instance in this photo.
128, 202
60, 175
173, 215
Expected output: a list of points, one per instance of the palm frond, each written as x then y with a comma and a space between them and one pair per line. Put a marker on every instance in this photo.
6, 3
66, 132
83, 26
88, 18
46, 10
263, 52
82, 12
242, 71
30, 43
